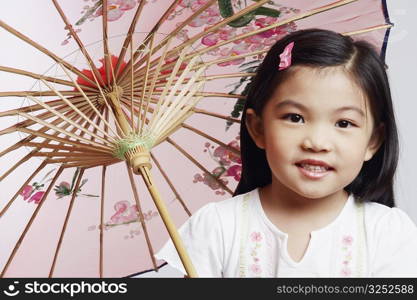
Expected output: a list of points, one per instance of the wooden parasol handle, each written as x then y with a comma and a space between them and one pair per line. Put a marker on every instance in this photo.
169, 224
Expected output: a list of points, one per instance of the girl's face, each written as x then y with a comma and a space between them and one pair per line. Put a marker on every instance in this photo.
316, 115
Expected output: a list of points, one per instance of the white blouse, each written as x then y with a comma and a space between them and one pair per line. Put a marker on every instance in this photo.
234, 238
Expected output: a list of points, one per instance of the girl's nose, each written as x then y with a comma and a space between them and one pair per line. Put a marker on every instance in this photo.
316, 142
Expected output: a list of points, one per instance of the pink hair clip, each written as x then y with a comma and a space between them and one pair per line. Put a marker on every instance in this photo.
285, 57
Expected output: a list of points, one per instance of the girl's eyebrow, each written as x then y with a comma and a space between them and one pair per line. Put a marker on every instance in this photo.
290, 102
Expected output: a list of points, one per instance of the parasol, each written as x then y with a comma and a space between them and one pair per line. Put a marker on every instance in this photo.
118, 123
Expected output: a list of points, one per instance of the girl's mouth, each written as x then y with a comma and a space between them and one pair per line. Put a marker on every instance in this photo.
313, 171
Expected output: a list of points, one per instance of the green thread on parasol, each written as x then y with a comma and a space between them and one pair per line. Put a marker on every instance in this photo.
131, 142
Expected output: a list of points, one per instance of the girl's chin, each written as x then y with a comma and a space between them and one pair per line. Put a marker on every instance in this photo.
313, 194
313, 190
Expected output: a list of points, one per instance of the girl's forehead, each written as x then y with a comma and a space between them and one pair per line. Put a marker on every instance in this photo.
332, 86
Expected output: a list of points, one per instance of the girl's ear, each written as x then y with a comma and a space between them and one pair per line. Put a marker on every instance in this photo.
255, 128
375, 142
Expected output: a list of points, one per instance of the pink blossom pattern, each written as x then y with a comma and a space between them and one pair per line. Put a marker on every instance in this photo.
256, 237
116, 9
229, 165
26, 192
255, 267
34, 193
127, 213
346, 272
94, 9
256, 42
347, 242
36, 198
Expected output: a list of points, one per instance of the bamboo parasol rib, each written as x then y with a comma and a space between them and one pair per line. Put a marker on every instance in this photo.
38, 94
106, 56
208, 113
129, 36
36, 107
102, 198
95, 146
171, 185
140, 120
139, 80
193, 160
141, 218
64, 226
72, 149
201, 133
47, 78
15, 166
141, 47
69, 27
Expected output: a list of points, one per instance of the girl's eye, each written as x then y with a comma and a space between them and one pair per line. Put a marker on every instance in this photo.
295, 118
345, 124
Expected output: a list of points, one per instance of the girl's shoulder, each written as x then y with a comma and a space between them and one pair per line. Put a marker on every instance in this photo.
226, 206
388, 219
233, 203
223, 213
392, 237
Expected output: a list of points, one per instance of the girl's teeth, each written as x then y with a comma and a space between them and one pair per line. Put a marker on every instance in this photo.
314, 168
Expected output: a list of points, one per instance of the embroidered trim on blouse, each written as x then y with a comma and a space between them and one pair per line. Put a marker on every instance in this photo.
360, 217
255, 267
243, 235
347, 241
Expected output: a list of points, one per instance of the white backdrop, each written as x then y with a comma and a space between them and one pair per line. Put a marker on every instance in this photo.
402, 61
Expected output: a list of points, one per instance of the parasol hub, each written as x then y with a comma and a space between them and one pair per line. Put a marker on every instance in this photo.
115, 93
134, 149
137, 158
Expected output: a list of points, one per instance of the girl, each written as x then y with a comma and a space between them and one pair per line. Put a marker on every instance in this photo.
319, 151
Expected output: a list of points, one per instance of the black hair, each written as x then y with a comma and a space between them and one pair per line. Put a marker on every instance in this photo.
320, 49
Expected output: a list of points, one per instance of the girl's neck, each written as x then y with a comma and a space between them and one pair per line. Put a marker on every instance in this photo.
278, 198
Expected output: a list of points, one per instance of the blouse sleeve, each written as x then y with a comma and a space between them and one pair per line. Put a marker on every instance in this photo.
202, 238
396, 251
